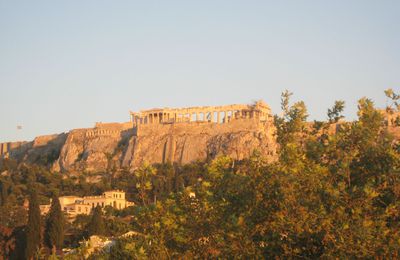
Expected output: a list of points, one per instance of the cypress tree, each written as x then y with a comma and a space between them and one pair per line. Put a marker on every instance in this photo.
4, 192
33, 230
54, 233
96, 223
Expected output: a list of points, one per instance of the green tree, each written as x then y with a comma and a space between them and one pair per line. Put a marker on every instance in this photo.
96, 224
335, 113
291, 128
143, 179
395, 99
4, 186
54, 232
33, 229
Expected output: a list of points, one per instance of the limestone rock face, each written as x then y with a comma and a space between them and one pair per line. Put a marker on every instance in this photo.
188, 142
93, 149
122, 145
42, 150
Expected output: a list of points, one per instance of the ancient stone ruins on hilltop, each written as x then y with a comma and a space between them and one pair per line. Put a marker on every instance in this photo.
161, 135
217, 114
175, 135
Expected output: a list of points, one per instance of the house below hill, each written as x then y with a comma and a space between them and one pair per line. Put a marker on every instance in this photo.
74, 205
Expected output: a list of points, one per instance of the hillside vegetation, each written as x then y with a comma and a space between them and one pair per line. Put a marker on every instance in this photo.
331, 194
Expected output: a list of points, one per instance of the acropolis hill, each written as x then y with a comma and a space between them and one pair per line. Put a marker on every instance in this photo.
175, 135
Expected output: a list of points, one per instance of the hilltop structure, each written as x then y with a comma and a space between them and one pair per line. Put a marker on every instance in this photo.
74, 205
211, 114
160, 135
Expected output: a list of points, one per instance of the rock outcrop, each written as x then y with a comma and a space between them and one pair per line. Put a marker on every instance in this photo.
42, 150
160, 135
93, 149
183, 143
122, 145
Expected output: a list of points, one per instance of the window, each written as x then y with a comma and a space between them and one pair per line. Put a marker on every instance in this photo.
102, 204
79, 209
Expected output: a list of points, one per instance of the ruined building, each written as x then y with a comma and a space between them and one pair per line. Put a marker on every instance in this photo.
211, 114
174, 135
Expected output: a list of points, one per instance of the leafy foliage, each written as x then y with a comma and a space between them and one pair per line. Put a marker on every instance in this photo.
96, 225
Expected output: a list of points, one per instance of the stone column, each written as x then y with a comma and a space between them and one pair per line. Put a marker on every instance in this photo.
218, 117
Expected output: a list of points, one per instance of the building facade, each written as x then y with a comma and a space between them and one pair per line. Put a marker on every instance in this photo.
74, 205
212, 114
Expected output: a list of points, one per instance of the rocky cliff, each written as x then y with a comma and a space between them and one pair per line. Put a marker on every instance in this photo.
196, 141
122, 145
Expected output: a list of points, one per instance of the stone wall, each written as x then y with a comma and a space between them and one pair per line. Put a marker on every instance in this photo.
108, 129
6, 148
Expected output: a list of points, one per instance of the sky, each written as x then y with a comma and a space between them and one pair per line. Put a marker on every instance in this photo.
69, 64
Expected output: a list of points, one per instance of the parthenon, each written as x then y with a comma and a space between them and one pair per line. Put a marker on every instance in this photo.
215, 114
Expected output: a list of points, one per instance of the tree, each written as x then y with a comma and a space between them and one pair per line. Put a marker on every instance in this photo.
54, 233
96, 223
4, 187
335, 113
291, 127
143, 177
395, 99
33, 231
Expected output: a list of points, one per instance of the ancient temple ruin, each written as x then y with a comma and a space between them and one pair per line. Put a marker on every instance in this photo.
213, 114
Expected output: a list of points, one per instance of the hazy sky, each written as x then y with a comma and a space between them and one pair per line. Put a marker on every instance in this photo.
68, 64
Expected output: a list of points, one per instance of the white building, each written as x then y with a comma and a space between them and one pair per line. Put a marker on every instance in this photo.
74, 205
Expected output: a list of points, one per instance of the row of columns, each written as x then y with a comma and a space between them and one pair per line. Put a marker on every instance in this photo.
201, 116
